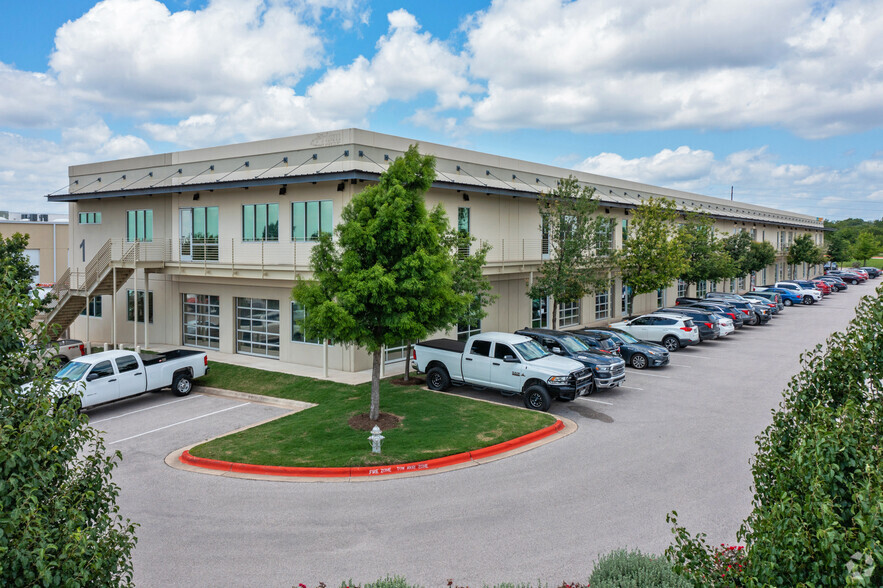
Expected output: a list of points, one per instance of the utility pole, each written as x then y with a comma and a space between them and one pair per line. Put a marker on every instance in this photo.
731, 193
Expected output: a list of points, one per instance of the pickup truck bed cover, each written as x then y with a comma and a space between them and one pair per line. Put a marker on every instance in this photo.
445, 345
155, 358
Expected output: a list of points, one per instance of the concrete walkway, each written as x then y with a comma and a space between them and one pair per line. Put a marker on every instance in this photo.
274, 365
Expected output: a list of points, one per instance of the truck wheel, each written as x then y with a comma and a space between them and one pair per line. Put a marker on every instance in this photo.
537, 398
437, 378
788, 302
182, 385
638, 361
671, 343
807, 300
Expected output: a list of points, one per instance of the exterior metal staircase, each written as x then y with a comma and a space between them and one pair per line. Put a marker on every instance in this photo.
72, 291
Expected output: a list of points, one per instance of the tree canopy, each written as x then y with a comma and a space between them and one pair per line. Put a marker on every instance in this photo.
579, 245
59, 523
703, 250
652, 257
390, 276
866, 247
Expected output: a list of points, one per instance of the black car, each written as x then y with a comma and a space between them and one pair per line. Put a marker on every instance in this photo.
608, 369
873, 272
597, 343
846, 276
636, 353
722, 307
708, 327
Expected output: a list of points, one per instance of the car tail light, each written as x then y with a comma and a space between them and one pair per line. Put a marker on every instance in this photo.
709, 325
205, 360
413, 354
731, 315
82, 349
687, 329
745, 311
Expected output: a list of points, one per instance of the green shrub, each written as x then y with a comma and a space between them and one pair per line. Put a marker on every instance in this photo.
633, 569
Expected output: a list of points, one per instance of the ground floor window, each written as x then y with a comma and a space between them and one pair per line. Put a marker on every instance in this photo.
539, 316
94, 307
130, 306
660, 298
602, 305
682, 288
466, 330
702, 289
257, 327
201, 316
741, 284
298, 314
568, 314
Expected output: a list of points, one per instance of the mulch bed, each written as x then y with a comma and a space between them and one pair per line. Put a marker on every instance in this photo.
386, 421
414, 381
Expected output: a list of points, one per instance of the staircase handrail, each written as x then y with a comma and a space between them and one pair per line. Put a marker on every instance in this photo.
97, 266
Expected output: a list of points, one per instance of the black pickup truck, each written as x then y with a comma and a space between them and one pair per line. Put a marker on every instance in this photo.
609, 370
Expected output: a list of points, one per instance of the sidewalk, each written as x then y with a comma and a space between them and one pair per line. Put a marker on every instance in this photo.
273, 365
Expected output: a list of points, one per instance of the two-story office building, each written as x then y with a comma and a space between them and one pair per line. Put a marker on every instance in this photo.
201, 248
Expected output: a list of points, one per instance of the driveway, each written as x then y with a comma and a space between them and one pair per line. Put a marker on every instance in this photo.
678, 438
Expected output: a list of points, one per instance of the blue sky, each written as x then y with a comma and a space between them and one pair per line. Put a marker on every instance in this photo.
782, 100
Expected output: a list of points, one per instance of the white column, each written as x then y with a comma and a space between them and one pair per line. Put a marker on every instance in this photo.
146, 309
88, 338
325, 358
113, 304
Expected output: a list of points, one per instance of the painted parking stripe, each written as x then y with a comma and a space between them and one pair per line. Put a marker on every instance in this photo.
599, 401
631, 388
180, 423
652, 375
678, 365
148, 408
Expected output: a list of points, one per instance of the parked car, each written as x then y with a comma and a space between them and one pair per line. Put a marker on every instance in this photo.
810, 285
596, 342
789, 297
113, 375
721, 306
608, 369
807, 296
673, 331
709, 328
771, 305
636, 353
762, 310
772, 297
873, 272
848, 277
513, 364
835, 285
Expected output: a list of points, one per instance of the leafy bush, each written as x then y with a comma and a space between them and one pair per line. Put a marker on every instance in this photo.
633, 569
817, 517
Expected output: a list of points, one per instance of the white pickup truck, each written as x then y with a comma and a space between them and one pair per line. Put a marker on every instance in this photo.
513, 364
112, 375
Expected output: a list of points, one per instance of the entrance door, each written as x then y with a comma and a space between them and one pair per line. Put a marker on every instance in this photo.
539, 316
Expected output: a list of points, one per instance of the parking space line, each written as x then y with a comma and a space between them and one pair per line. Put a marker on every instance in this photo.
678, 365
631, 388
654, 375
598, 401
179, 423
148, 408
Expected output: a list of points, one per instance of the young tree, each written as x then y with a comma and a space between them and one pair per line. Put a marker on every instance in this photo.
390, 275
760, 255
838, 248
652, 257
866, 246
59, 523
738, 247
704, 252
579, 245
802, 250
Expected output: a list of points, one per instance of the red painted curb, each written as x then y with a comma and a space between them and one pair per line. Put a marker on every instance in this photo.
402, 468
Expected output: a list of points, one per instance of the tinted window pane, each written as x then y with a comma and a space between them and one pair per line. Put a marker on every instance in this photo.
327, 217
298, 221
482, 348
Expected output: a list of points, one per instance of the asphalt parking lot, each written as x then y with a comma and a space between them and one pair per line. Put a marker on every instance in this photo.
678, 438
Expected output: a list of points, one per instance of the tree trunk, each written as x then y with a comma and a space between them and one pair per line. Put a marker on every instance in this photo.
553, 311
408, 362
374, 413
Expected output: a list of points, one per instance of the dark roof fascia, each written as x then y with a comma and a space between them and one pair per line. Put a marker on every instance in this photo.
343, 176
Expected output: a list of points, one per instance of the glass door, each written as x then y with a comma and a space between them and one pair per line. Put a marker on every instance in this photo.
539, 316
199, 234
186, 234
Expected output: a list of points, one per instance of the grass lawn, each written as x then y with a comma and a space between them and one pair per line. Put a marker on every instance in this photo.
433, 424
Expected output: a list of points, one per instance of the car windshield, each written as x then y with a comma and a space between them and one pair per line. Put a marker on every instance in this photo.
531, 350
625, 337
72, 371
573, 345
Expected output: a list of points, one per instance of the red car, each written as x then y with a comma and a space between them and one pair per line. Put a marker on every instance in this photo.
824, 287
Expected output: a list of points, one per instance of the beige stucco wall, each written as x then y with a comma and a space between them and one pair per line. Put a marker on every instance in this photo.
50, 238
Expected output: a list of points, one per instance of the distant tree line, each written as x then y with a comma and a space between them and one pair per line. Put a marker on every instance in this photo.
853, 239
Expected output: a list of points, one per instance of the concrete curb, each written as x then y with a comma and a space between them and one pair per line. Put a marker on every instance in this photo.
182, 459
295, 405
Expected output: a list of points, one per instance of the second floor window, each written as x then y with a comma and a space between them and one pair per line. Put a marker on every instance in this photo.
139, 225
90, 218
311, 219
260, 222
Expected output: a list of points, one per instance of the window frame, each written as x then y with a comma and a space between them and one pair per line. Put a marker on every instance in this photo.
260, 213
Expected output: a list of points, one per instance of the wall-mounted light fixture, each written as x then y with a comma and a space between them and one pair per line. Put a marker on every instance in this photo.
196, 196
341, 186
283, 189
466, 197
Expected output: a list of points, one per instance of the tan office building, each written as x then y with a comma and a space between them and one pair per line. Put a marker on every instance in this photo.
201, 248
47, 246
